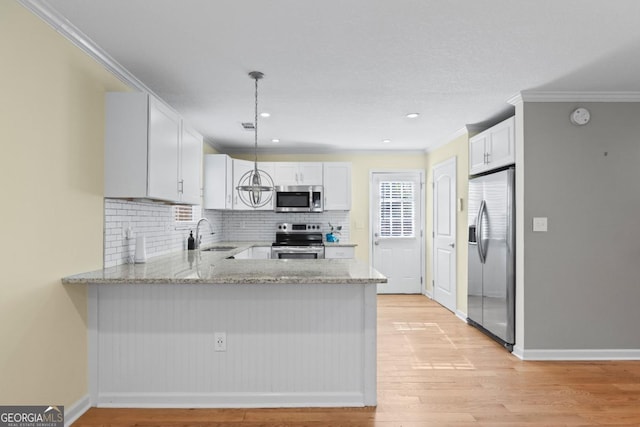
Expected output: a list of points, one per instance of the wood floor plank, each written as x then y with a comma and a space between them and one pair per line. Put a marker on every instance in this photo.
434, 370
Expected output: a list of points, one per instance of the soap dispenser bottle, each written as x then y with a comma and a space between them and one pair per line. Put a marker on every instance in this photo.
191, 241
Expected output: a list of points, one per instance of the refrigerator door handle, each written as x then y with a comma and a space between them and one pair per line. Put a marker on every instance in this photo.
479, 232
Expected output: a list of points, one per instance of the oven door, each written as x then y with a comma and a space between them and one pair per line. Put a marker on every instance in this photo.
297, 252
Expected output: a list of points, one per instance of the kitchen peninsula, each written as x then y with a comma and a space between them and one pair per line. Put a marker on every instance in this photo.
197, 329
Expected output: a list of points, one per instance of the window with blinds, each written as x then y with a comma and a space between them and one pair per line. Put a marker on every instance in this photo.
397, 209
183, 214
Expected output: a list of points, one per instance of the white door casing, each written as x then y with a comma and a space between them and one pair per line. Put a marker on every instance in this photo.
396, 226
444, 233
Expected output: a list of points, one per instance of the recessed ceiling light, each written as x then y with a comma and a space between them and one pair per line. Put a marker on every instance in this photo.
386, 141
275, 140
412, 115
265, 115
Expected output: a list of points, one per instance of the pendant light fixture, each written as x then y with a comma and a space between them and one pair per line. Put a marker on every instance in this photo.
255, 187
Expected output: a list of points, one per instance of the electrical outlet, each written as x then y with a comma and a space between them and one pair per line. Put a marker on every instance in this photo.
220, 341
540, 224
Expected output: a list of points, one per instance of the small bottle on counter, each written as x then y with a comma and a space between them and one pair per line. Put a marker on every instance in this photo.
191, 242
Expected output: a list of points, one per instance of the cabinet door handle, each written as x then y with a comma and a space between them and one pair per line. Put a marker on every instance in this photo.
297, 182
181, 186
301, 178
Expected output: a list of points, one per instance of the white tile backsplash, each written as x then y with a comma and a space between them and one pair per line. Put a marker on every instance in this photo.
155, 222
261, 225
163, 235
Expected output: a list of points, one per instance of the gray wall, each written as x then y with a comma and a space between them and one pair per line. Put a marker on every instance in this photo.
581, 278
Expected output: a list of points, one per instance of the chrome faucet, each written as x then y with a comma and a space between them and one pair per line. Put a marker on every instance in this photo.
198, 236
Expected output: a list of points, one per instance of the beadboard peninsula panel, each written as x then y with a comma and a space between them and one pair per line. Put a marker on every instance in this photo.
287, 345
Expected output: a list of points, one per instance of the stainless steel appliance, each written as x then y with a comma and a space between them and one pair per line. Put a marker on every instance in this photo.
491, 293
298, 241
298, 198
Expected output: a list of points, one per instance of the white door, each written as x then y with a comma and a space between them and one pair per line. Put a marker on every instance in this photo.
444, 233
396, 224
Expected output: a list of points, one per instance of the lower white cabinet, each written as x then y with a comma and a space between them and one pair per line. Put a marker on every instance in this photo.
261, 252
339, 252
255, 252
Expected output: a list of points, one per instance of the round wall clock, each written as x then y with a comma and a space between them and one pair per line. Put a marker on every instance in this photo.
580, 116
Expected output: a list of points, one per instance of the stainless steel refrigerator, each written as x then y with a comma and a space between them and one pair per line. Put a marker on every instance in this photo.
491, 292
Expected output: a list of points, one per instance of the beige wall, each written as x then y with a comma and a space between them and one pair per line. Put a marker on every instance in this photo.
362, 164
458, 148
51, 117
208, 149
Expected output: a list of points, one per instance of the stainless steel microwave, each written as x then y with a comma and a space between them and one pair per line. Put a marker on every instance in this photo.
298, 198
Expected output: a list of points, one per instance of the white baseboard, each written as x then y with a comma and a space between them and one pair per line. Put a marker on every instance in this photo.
229, 400
73, 412
462, 316
576, 354
428, 294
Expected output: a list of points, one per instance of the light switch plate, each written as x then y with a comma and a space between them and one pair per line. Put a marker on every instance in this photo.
540, 224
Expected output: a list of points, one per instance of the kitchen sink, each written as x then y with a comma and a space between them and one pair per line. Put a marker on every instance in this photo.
219, 248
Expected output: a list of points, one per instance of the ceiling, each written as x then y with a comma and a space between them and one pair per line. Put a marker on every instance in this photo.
343, 74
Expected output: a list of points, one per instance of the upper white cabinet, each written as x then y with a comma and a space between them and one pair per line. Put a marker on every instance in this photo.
493, 148
337, 186
218, 181
143, 151
292, 173
190, 166
240, 167
222, 175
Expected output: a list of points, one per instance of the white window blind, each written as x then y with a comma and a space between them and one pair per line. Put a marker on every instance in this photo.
182, 214
397, 211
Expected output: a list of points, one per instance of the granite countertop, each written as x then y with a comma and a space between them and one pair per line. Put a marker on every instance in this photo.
213, 267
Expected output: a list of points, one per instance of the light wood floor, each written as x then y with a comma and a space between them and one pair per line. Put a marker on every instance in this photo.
434, 370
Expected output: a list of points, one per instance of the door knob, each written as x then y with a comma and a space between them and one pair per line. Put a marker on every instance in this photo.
376, 243
453, 245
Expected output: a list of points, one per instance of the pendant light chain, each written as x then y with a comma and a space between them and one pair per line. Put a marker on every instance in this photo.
255, 187
255, 124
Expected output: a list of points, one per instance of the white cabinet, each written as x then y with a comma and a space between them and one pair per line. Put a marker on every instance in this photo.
255, 252
190, 166
302, 173
261, 252
143, 142
218, 181
240, 167
337, 186
339, 252
493, 148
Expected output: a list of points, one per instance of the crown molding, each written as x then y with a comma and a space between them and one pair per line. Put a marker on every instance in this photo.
43, 10
315, 150
464, 130
573, 96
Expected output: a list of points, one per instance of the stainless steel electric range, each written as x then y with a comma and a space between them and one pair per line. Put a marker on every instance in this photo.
298, 241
